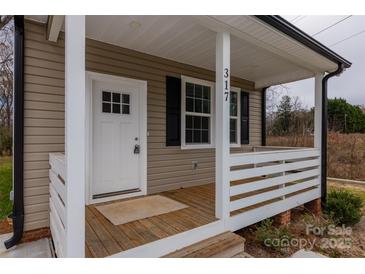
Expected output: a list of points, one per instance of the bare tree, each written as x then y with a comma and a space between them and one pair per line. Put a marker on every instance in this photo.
286, 114
6, 82
297, 104
4, 20
273, 95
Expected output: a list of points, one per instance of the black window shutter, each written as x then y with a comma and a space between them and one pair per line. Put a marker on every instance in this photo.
245, 119
173, 111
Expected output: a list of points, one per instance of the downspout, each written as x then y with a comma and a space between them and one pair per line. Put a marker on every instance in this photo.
339, 70
263, 117
18, 134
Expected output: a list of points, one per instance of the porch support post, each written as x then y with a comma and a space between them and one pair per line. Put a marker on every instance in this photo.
318, 110
75, 111
222, 142
318, 116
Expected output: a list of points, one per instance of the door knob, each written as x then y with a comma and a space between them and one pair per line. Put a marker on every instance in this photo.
136, 149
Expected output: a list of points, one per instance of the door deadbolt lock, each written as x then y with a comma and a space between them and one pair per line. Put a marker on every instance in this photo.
136, 149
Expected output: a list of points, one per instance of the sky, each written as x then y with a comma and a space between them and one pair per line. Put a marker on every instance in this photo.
344, 35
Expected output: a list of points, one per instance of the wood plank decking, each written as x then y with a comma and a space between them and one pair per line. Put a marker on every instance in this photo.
225, 245
104, 239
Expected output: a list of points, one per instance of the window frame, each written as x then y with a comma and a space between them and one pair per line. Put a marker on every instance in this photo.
122, 103
112, 102
238, 119
184, 145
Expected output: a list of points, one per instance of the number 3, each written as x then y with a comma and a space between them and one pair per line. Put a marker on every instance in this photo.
225, 73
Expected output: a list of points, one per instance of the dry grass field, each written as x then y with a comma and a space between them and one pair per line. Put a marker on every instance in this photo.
346, 152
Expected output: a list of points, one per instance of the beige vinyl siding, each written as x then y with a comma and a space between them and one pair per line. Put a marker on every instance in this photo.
167, 167
255, 118
43, 119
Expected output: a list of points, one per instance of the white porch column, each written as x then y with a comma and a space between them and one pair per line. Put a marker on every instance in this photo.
222, 92
318, 114
75, 134
318, 110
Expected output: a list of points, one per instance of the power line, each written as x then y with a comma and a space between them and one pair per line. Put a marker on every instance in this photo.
334, 24
347, 38
298, 18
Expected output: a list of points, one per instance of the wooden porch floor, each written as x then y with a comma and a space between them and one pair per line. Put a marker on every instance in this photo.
104, 239
225, 245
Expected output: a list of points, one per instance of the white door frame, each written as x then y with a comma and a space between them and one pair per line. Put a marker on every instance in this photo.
142, 108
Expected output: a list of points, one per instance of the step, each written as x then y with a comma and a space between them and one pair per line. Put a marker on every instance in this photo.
225, 245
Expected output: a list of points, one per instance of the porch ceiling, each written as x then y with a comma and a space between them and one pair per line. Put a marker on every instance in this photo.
259, 53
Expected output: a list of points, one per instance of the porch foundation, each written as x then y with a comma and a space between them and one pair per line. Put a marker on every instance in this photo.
283, 218
36, 234
314, 206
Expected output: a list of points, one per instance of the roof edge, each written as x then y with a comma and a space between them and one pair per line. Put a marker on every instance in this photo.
297, 34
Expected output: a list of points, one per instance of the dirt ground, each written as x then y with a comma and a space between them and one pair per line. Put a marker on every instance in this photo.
5, 226
351, 245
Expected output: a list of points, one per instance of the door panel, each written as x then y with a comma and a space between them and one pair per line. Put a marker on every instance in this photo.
116, 126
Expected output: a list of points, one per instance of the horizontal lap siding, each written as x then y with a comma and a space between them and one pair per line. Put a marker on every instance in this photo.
168, 167
43, 119
255, 118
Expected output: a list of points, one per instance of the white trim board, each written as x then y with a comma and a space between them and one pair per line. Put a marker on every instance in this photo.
142, 85
170, 244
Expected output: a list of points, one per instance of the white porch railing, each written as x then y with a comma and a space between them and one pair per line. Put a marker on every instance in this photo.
267, 183
263, 184
58, 202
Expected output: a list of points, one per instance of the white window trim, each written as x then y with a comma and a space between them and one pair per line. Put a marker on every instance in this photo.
238, 124
184, 80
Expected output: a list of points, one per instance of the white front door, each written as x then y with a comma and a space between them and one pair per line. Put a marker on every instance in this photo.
117, 138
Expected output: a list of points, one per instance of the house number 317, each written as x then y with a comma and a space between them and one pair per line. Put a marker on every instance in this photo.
226, 91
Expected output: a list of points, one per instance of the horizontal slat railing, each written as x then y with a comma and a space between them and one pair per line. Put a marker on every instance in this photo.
266, 211
58, 202
270, 182
279, 180
267, 170
268, 156
265, 196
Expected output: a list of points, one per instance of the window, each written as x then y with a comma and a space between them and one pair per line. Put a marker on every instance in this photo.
197, 130
196, 112
125, 103
234, 112
113, 102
